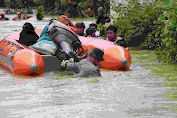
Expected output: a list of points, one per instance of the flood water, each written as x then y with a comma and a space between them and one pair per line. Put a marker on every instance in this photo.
132, 94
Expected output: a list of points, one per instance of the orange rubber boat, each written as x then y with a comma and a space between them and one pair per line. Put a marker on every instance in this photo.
20, 59
23, 18
115, 57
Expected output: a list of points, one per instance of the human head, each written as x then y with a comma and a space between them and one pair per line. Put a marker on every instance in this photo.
97, 54
100, 11
2, 14
91, 32
63, 20
19, 14
93, 25
111, 32
80, 26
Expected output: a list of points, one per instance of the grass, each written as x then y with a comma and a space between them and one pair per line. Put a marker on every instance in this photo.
63, 75
94, 80
161, 70
75, 19
82, 19
144, 111
146, 57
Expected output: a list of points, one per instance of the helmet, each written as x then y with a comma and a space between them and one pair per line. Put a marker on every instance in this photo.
1, 13
97, 53
18, 13
80, 25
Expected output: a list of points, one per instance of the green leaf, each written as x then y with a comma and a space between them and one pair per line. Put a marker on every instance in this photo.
170, 31
174, 21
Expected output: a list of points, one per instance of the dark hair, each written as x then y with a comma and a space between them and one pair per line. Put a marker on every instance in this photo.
93, 24
112, 28
80, 25
28, 27
90, 31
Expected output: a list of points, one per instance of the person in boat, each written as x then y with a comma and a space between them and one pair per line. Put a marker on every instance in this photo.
112, 36
80, 27
18, 16
3, 16
88, 67
28, 35
90, 32
93, 26
102, 19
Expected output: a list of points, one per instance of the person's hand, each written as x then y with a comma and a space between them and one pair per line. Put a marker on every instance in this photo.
63, 63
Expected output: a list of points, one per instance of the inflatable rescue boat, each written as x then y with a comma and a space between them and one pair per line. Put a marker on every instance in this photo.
20, 59
23, 18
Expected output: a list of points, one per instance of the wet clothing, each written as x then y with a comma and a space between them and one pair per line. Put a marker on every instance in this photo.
84, 68
3, 17
119, 41
28, 35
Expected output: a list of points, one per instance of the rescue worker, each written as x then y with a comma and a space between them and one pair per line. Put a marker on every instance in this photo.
3, 16
93, 25
18, 16
80, 27
28, 35
90, 32
112, 36
102, 19
88, 67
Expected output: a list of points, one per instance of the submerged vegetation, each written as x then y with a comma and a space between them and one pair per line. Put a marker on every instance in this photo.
160, 70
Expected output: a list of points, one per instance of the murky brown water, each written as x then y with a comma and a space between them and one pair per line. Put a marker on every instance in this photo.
131, 94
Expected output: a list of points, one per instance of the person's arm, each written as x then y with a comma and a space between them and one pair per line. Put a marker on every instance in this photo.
72, 66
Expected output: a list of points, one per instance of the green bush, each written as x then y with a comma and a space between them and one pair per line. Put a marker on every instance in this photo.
167, 31
146, 25
135, 21
41, 10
